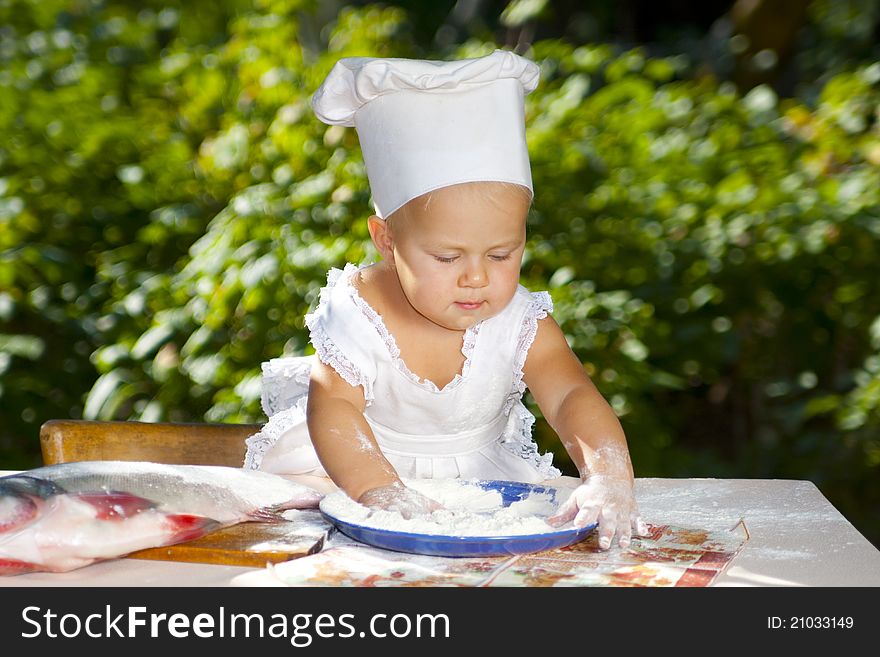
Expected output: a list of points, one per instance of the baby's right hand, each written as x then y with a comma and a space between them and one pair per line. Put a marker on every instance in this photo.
397, 497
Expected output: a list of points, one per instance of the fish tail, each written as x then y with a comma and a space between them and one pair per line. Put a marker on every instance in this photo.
273, 513
266, 514
306, 501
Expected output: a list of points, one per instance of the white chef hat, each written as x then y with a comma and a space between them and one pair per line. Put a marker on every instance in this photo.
425, 124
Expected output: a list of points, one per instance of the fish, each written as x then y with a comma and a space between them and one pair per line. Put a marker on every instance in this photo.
65, 516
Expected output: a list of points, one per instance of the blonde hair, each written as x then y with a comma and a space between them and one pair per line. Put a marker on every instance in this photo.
489, 190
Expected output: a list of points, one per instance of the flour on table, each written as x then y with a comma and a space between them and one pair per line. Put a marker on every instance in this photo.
468, 511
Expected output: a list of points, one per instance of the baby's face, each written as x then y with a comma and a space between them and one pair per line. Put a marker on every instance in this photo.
458, 258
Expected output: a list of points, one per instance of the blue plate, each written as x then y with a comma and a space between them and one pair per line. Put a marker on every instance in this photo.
469, 546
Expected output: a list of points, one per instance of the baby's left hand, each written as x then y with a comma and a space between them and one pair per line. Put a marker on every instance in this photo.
608, 501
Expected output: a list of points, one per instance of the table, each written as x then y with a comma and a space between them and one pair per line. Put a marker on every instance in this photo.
796, 538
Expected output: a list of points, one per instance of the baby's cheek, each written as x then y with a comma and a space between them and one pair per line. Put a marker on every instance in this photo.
506, 292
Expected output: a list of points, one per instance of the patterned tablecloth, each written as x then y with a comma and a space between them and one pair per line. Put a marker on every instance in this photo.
669, 556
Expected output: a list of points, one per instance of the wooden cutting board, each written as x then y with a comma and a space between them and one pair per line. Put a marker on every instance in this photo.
252, 544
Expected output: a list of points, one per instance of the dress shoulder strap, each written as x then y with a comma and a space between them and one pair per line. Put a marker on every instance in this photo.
342, 335
533, 306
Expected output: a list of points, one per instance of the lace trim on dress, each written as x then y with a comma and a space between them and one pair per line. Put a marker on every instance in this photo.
260, 443
326, 349
284, 381
540, 305
517, 437
469, 341
517, 440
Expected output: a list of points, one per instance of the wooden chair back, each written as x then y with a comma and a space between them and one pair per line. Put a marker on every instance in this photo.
62, 441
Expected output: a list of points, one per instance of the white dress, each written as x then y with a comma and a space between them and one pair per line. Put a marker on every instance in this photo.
475, 426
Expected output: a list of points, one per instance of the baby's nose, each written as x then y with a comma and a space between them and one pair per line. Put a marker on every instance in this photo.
475, 276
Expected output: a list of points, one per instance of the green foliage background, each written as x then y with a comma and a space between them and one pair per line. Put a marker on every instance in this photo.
169, 207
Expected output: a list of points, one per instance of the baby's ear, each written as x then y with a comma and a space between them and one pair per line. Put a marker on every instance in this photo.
380, 233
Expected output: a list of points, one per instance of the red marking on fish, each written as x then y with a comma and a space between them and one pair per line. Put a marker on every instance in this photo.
186, 527
15, 567
113, 505
16, 511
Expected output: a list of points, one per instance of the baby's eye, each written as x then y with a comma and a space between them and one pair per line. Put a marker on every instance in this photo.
445, 258
500, 258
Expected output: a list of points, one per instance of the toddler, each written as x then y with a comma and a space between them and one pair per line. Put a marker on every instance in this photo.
422, 359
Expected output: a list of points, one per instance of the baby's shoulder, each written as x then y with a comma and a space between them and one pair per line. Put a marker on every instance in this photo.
370, 284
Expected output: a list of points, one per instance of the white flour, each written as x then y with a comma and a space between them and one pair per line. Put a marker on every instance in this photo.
468, 511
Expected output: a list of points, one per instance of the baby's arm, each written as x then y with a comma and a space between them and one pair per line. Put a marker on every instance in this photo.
591, 434
347, 448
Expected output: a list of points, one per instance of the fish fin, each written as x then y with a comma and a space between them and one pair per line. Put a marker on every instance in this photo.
186, 527
115, 505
